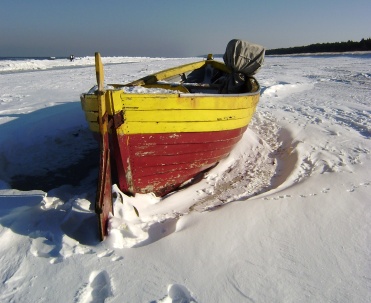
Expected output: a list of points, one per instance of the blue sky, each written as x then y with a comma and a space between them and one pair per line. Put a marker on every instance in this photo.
175, 28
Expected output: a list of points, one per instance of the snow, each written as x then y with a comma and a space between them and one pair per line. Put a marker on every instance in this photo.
285, 218
12, 65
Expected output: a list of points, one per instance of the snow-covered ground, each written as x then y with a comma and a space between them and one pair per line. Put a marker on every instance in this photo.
285, 218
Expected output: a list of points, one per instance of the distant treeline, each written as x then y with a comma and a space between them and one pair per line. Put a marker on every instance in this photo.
350, 46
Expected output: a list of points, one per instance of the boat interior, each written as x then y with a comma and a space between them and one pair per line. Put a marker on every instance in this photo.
210, 78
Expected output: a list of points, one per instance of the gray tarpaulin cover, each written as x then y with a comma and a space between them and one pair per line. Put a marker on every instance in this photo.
244, 59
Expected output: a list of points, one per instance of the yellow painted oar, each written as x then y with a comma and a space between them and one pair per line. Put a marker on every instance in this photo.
103, 203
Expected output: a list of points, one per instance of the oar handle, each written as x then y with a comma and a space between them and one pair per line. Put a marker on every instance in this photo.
99, 72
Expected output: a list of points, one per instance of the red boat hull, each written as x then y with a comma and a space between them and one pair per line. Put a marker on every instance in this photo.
160, 163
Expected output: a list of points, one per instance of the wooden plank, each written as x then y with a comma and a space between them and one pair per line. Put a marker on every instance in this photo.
187, 101
150, 150
103, 204
175, 127
184, 116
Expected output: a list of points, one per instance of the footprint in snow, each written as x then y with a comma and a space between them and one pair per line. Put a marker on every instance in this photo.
177, 294
97, 290
106, 253
43, 247
354, 187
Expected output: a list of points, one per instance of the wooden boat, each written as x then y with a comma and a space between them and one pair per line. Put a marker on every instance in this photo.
155, 142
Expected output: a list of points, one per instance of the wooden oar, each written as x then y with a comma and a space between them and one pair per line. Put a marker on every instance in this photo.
103, 203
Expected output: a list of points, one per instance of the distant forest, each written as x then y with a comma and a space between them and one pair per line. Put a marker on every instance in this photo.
350, 46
